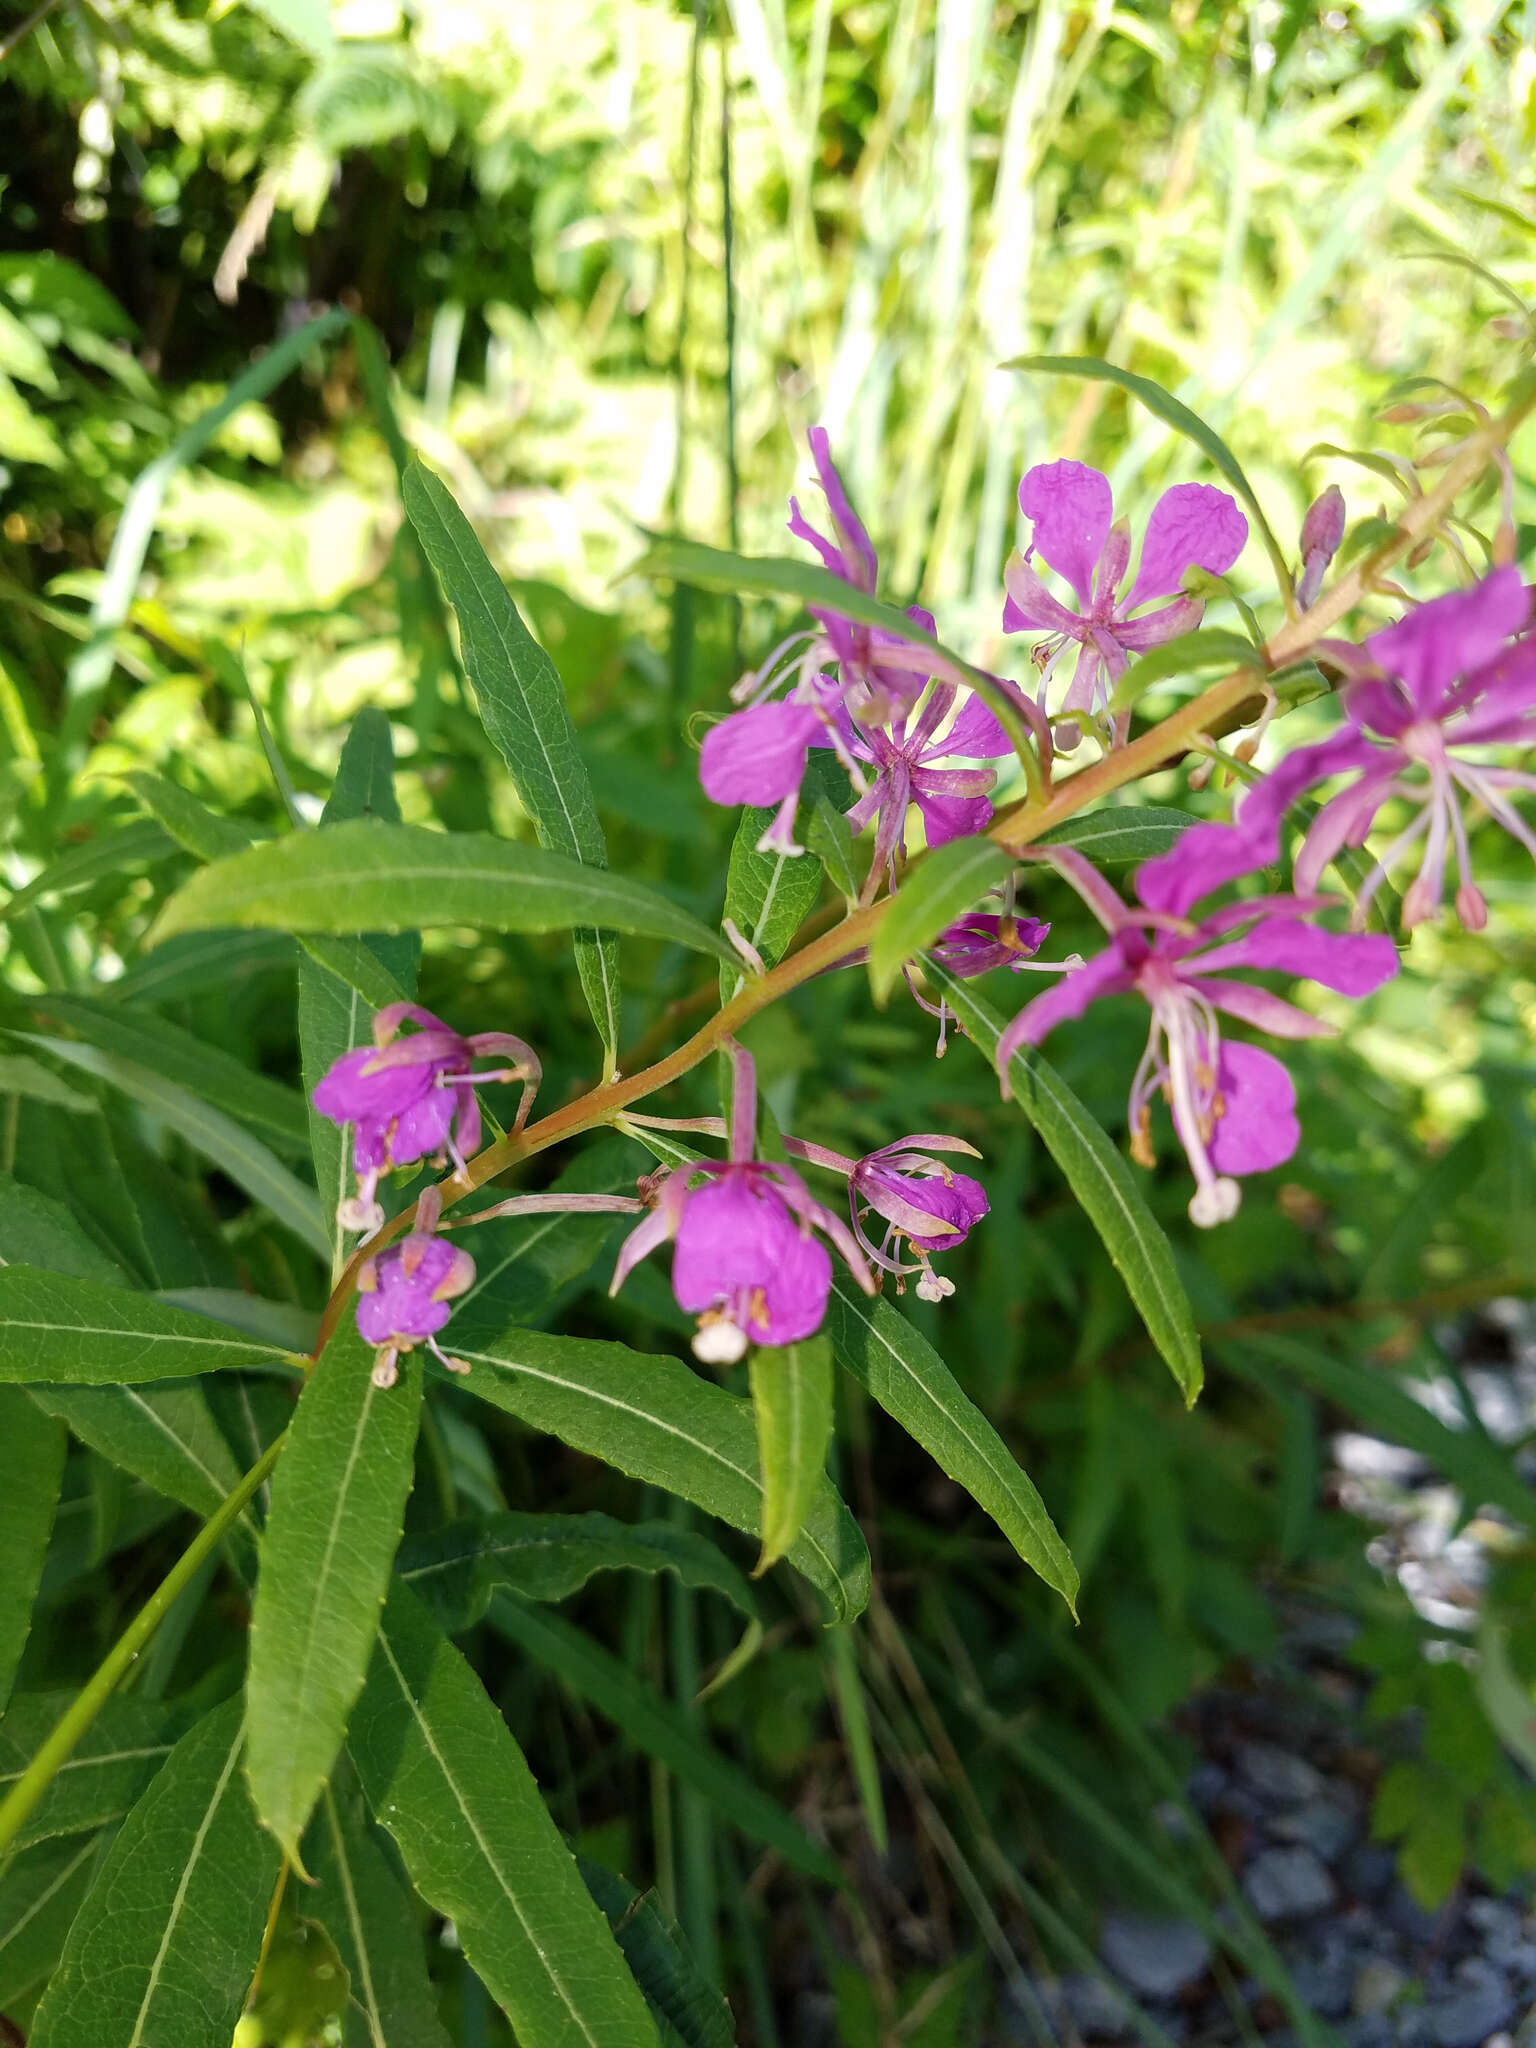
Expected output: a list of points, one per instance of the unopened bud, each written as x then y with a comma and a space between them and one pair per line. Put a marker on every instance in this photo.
1321, 532
1472, 907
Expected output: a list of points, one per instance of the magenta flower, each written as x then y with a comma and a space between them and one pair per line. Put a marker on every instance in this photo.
758, 756
1233, 1104
981, 941
404, 1292
923, 1201
745, 1261
1448, 676
954, 802
1075, 533
413, 1098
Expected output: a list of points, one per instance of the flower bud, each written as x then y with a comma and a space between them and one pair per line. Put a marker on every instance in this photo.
1321, 532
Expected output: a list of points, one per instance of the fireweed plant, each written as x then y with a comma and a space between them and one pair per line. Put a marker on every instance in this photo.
782, 1252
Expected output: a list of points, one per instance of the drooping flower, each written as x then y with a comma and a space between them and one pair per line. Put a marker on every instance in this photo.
403, 1293
1076, 534
1450, 675
980, 941
953, 802
925, 1203
1233, 1104
413, 1097
744, 1260
758, 756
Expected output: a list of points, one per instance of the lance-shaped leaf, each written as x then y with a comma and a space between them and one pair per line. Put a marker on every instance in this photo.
523, 708
374, 877
444, 1775
223, 1142
768, 896
202, 832
31, 1466
903, 1372
792, 1402
339, 988
40, 1894
660, 1728
549, 1557
113, 850
1123, 836
943, 886
358, 1898
55, 1327
654, 1419
274, 1111
125, 1746
338, 1504
1173, 413
1099, 1178
166, 1943
829, 837
36, 1230
675, 1988
164, 1435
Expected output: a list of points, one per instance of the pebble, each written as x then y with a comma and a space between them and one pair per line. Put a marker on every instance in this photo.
1157, 1958
1094, 2008
1481, 2002
1403, 1911
1371, 2030
1288, 1884
1277, 1776
1326, 1977
1377, 1984
1324, 1825
1368, 1871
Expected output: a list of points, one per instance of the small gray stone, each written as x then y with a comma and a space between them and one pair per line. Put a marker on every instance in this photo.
1276, 1775
1325, 1977
1095, 2010
1288, 1884
1378, 1984
1403, 1911
1481, 2002
1323, 1825
1157, 1958
1368, 1870
1205, 1787
1371, 2030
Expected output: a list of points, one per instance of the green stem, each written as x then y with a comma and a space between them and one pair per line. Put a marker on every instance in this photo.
34, 1781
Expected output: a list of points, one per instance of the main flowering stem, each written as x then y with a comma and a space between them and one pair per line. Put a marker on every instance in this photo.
1214, 709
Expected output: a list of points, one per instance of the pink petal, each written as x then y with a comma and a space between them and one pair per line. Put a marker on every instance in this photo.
1451, 635
1030, 607
974, 736
423, 1128
1258, 1127
757, 756
1352, 963
1260, 1008
1106, 974
856, 545
1192, 526
1153, 628
951, 817
1265, 803
1343, 821
1072, 511
1205, 857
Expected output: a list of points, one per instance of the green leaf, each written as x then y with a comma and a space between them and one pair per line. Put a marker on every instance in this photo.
663, 1730
20, 1075
122, 1750
829, 837
1122, 836
914, 1386
943, 886
1173, 413
35, 1230
1379, 1400
344, 979
656, 1420
220, 1140
305, 22
200, 831
31, 1466
115, 848
40, 1894
368, 1916
1099, 1178
338, 1506
55, 1327
660, 1961
444, 1775
375, 877
549, 1557
164, 1435
792, 1403
523, 708
166, 1944
1188, 654
768, 896
204, 960
271, 1109
690, 562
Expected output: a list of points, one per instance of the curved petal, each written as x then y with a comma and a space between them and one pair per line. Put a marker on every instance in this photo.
974, 736
858, 550
951, 817
1257, 1127
1106, 974
423, 1128
1192, 526
1072, 510
1378, 703
1030, 607
757, 756
1265, 803
1260, 1008
1203, 859
1152, 628
1343, 821
348, 1094
1351, 963
1452, 635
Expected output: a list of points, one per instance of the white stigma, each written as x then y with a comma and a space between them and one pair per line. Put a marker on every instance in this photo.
1215, 1201
933, 1286
718, 1341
